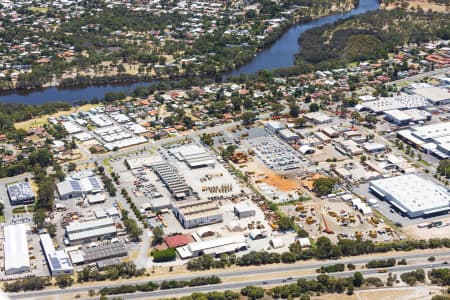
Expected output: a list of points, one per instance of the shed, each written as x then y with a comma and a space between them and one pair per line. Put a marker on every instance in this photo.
234, 226
244, 210
277, 243
304, 242
205, 232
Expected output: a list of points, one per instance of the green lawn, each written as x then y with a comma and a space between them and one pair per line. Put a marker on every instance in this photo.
38, 9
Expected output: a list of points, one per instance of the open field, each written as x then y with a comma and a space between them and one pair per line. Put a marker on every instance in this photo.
423, 4
407, 293
37, 122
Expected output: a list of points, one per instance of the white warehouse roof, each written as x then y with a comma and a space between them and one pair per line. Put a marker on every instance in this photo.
204, 245
58, 261
412, 194
17, 259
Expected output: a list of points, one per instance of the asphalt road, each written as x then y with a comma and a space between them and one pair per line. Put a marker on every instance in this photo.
420, 76
246, 275
270, 282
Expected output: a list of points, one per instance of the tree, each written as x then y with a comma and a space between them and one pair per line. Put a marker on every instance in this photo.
164, 255
300, 122
371, 119
46, 193
237, 103
276, 108
314, 107
248, 118
285, 223
253, 292
294, 110
323, 186
350, 289
444, 168
2, 207
358, 279
132, 228
39, 217
158, 236
207, 139
325, 249
64, 280
71, 167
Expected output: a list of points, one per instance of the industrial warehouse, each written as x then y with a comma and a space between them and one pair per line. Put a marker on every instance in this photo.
432, 139
412, 195
17, 259
194, 156
193, 214
78, 185
98, 253
89, 231
174, 182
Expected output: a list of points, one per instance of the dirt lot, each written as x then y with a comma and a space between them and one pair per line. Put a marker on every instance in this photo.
322, 211
286, 183
427, 233
424, 4
414, 293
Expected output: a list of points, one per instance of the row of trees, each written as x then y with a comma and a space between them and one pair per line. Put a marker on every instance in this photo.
381, 263
115, 272
152, 286
27, 284
198, 281
323, 249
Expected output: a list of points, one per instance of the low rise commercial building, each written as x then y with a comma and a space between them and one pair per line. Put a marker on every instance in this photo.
274, 126
405, 117
214, 247
318, 117
58, 262
20, 193
288, 135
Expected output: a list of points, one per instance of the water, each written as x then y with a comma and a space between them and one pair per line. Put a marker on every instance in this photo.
279, 55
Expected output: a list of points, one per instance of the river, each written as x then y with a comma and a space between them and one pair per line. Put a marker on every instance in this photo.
279, 55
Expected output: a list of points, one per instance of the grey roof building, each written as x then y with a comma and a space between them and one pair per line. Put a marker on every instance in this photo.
20, 193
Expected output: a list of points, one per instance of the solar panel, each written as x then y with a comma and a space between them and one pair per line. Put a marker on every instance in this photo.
75, 185
95, 184
55, 262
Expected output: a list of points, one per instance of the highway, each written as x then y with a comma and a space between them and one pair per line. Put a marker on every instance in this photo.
270, 282
244, 275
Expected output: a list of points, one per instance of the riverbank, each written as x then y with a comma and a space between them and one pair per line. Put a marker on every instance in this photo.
88, 87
